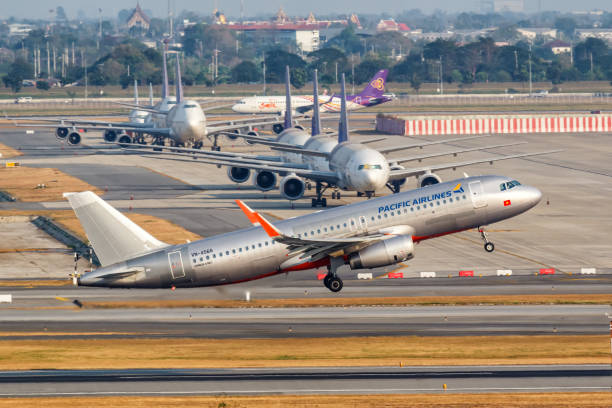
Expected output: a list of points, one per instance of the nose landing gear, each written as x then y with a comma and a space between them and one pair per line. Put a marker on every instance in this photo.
488, 246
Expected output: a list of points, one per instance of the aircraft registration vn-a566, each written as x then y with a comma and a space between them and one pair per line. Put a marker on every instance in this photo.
369, 234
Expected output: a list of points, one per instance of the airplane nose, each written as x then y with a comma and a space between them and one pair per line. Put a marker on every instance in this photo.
532, 196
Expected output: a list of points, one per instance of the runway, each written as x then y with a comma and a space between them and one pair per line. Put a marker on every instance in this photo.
311, 380
314, 322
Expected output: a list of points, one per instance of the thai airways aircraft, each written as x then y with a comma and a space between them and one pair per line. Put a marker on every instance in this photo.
372, 95
329, 162
369, 234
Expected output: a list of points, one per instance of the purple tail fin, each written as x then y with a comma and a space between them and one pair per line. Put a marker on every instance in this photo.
376, 86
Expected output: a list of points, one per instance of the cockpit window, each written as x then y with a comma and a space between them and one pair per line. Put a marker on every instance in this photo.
370, 167
191, 106
509, 185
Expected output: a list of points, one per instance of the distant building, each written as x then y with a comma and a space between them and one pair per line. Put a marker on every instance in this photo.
138, 19
559, 47
19, 30
601, 33
391, 25
305, 36
533, 32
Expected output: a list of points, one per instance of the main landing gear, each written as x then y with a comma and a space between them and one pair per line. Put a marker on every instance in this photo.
332, 281
320, 200
488, 246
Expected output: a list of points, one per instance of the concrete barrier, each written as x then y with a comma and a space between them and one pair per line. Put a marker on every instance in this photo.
504, 272
364, 275
547, 271
395, 275
428, 274
588, 271
6, 298
466, 273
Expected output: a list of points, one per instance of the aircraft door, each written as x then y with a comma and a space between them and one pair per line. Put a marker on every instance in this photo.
176, 265
477, 194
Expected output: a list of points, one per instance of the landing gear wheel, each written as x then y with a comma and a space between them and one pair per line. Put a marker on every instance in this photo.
338, 195
333, 195
334, 284
489, 247
198, 145
326, 281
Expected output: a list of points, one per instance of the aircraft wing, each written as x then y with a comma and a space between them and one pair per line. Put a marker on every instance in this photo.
142, 108
453, 152
385, 150
401, 174
184, 151
108, 126
304, 249
281, 168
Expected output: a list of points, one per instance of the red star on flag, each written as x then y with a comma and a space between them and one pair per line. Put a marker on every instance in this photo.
507, 203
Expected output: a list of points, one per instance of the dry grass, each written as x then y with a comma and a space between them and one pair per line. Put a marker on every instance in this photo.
516, 400
21, 182
26, 354
558, 299
8, 152
34, 283
161, 229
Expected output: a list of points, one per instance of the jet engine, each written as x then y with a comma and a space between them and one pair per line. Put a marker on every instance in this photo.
292, 187
388, 252
61, 133
238, 174
74, 138
251, 133
277, 128
428, 179
264, 180
124, 139
110, 136
230, 137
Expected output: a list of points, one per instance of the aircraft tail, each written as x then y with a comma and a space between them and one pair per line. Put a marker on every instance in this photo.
316, 119
178, 80
150, 94
376, 86
136, 92
288, 110
114, 237
343, 125
164, 93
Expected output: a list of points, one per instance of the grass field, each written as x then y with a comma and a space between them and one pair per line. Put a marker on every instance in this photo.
126, 353
516, 400
8, 152
540, 299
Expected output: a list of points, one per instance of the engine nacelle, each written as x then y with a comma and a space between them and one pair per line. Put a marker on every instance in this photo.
61, 133
110, 136
74, 138
428, 179
251, 133
292, 187
230, 137
125, 139
400, 182
277, 128
264, 180
383, 253
299, 127
238, 174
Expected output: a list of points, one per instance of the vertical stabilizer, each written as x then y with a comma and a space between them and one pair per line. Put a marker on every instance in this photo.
113, 236
376, 86
150, 94
343, 125
135, 92
316, 120
288, 119
164, 93
177, 79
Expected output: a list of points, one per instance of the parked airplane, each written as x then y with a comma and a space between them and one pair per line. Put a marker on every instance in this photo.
339, 164
177, 119
369, 234
372, 95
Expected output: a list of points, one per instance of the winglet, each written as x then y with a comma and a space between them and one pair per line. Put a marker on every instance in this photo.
257, 219
288, 109
316, 120
250, 214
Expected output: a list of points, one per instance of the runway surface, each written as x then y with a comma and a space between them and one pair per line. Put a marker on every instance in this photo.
323, 380
308, 322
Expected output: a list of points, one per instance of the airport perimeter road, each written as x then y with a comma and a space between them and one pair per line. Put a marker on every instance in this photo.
324, 380
309, 322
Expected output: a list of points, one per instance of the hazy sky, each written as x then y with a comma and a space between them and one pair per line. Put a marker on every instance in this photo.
40, 8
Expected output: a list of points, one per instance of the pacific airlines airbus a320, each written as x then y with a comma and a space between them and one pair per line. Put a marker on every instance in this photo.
369, 234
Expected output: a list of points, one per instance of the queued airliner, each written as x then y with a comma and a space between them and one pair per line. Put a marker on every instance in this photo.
373, 94
374, 233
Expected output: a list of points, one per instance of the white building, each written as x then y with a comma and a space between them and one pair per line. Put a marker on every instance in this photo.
601, 33
532, 32
19, 29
